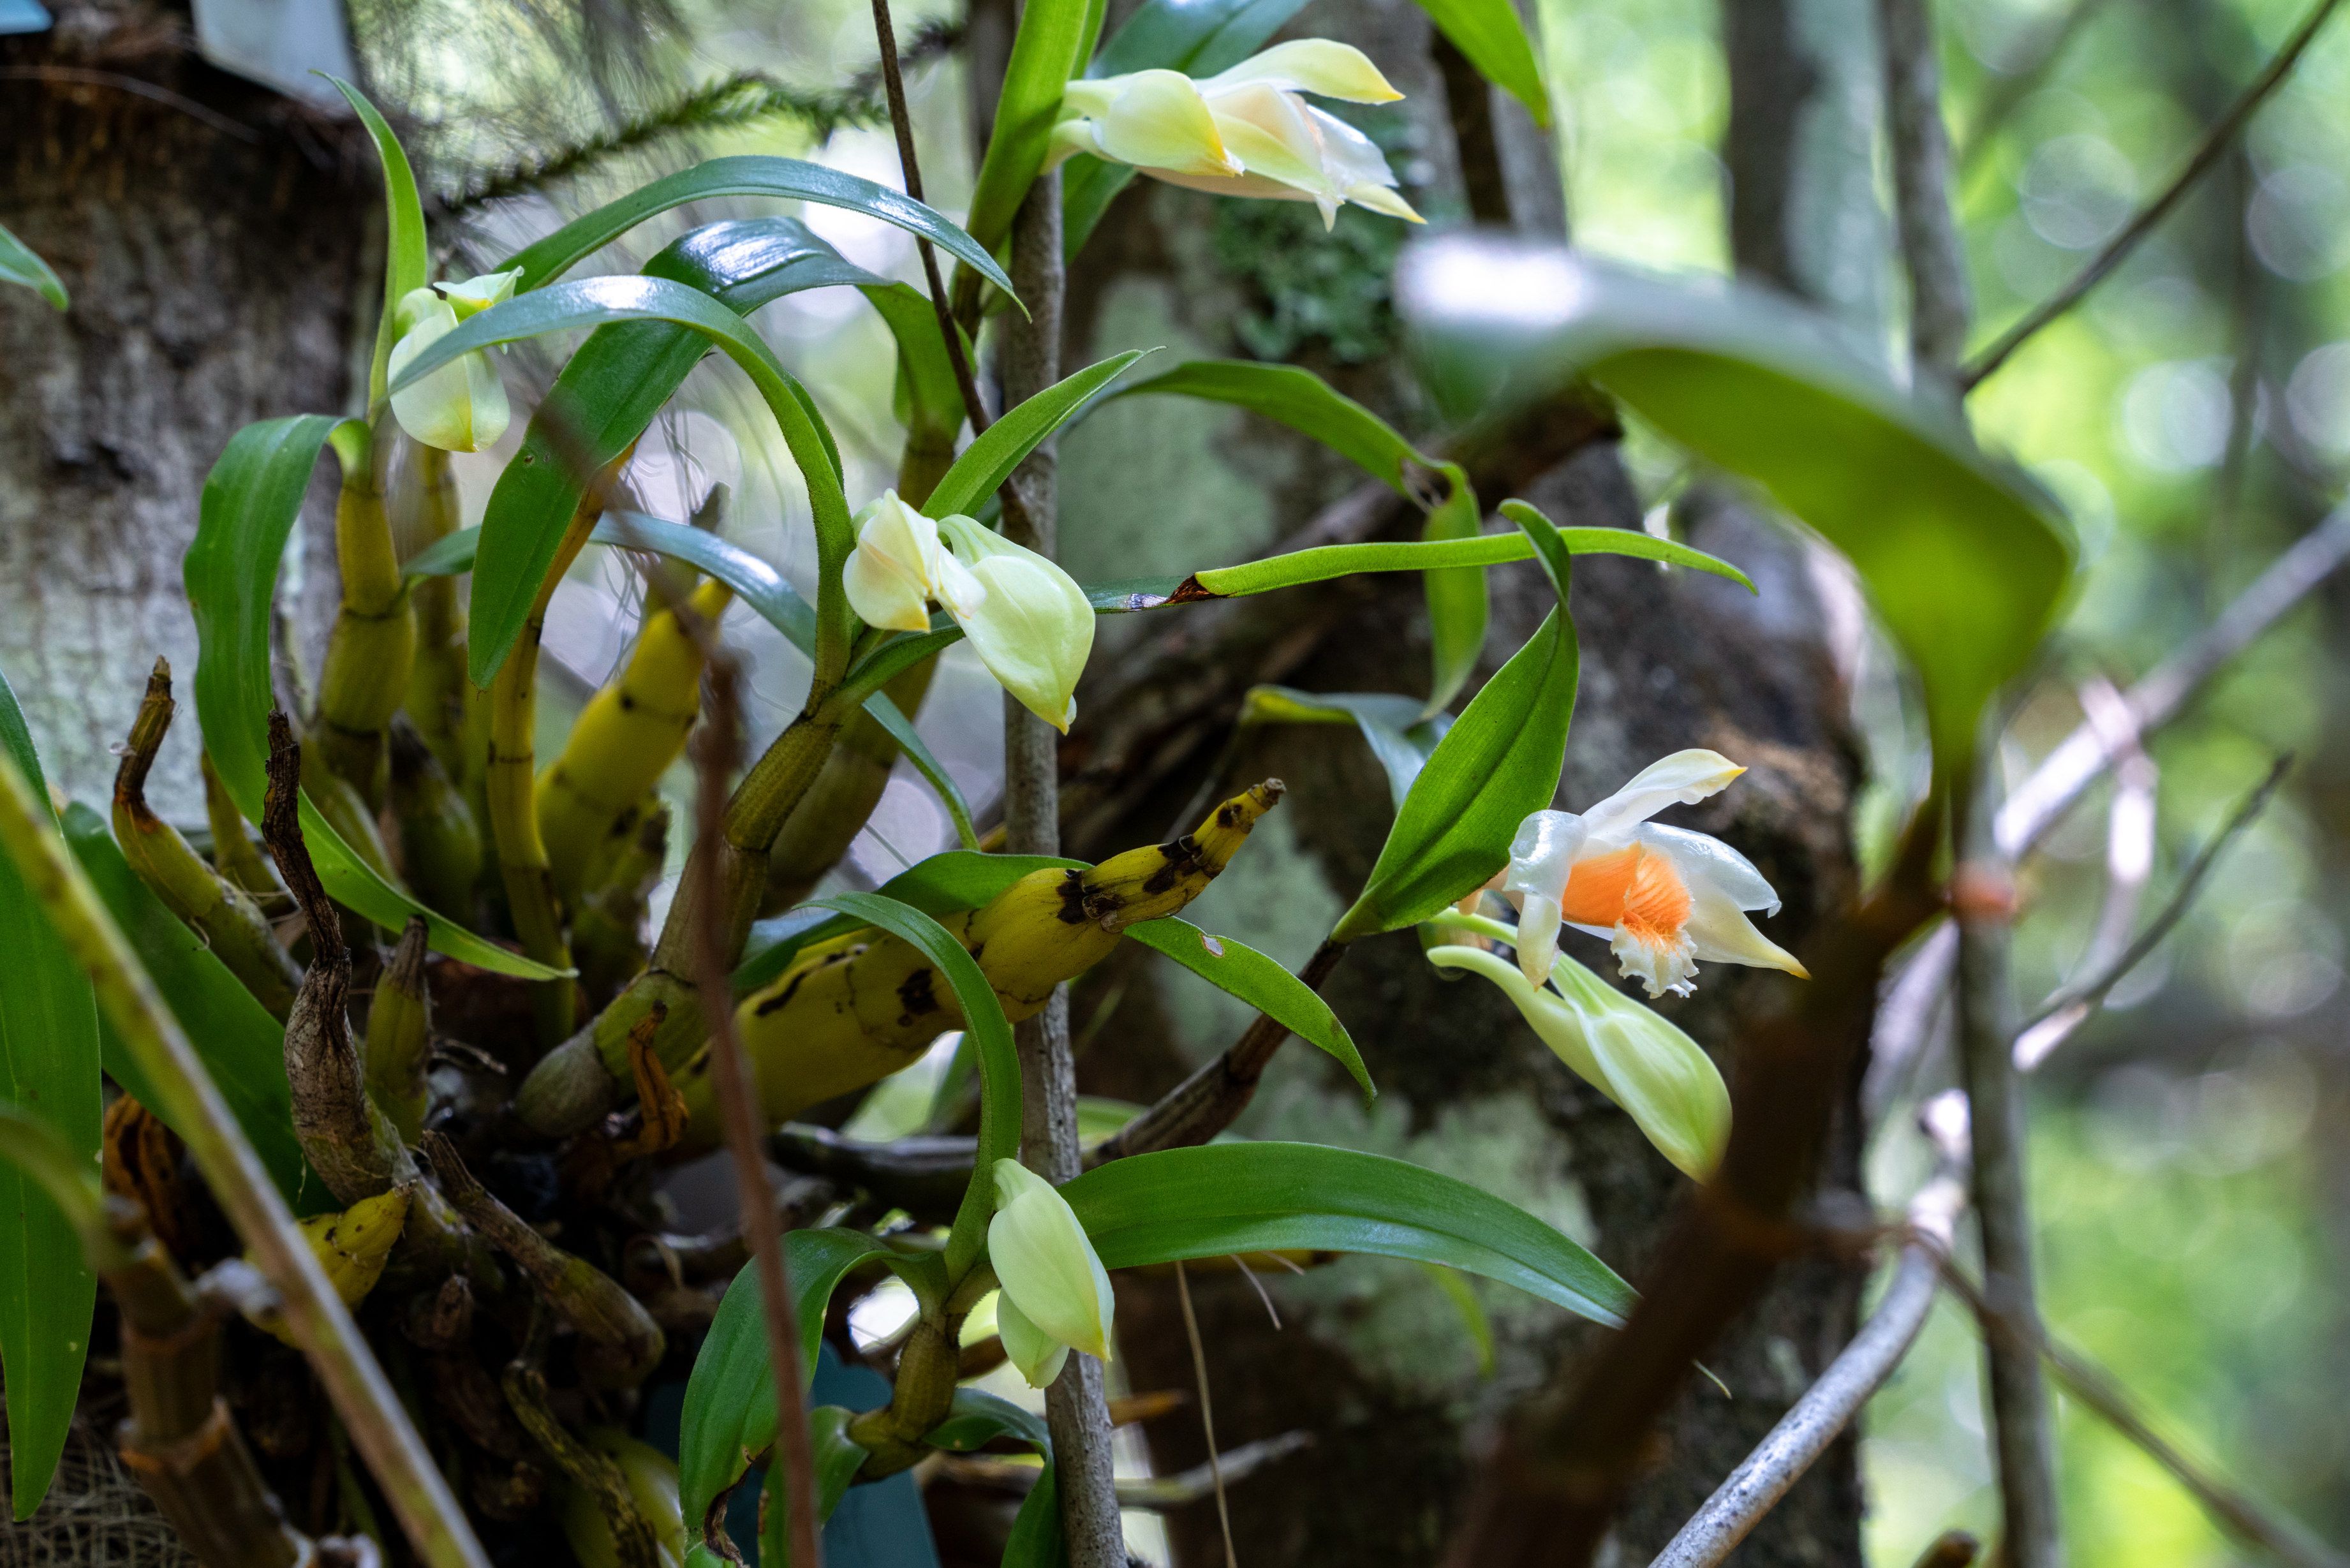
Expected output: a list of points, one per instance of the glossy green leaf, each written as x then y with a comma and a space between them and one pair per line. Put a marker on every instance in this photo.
240, 1044
938, 884
988, 462
594, 302
1964, 559
1219, 1198
607, 395
1493, 39
977, 1418
251, 500
48, 1068
1324, 562
1297, 397
837, 1460
19, 264
1198, 37
730, 1396
1499, 761
1048, 48
406, 262
1037, 1540
984, 1025
546, 260
1398, 730
928, 396
1240, 969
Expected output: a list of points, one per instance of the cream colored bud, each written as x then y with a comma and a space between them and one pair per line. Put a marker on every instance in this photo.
1033, 626
1053, 1283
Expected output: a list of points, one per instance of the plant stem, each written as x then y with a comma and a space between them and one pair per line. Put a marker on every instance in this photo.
319, 1322
2199, 163
1931, 251
715, 761
1983, 893
1076, 1407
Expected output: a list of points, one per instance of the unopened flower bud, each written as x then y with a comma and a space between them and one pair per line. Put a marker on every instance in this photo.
461, 406
1055, 1295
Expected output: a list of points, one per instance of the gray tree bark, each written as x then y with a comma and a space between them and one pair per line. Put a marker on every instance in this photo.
1371, 1358
212, 244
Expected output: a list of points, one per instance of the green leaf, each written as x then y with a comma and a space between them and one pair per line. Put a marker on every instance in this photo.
48, 1068
1048, 48
240, 1044
886, 662
1499, 761
1313, 408
1217, 1200
1964, 559
606, 397
546, 260
977, 1418
1036, 1541
1480, 1328
902, 730
406, 262
999, 1066
1324, 562
730, 1396
1400, 732
1236, 967
1198, 37
19, 264
251, 500
988, 462
1489, 34
593, 302
938, 884
837, 1460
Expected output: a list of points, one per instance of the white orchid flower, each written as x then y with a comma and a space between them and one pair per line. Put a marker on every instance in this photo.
1028, 620
1243, 132
1660, 1076
1056, 1296
1664, 896
461, 406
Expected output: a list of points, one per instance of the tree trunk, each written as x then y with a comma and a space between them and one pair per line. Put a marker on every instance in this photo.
1373, 1358
213, 243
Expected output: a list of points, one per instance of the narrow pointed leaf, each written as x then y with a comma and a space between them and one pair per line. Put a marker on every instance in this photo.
546, 260
1234, 967
836, 1463
943, 883
19, 264
1217, 1200
988, 462
49, 1069
240, 1044
1050, 47
1493, 39
251, 500
406, 262
1037, 1540
999, 1067
1397, 730
1498, 761
1324, 562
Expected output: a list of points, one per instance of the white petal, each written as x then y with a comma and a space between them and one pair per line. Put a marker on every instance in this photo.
1720, 932
476, 295
1033, 628
1543, 853
1682, 779
1381, 199
1275, 136
1659, 966
1157, 120
1538, 937
1349, 157
451, 407
1319, 65
1701, 858
893, 574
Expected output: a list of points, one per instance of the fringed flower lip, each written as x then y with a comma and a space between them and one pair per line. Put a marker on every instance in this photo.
1665, 897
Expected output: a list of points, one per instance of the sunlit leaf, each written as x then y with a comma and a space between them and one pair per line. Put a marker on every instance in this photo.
18, 264
1490, 36
1220, 1198
988, 462
1498, 761
250, 501
407, 264
48, 1068
1049, 48
1240, 969
1324, 562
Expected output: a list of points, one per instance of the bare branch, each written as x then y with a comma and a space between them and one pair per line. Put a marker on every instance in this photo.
2199, 163
1931, 251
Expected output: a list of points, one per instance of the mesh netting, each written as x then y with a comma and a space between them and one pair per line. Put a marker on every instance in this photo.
95, 1516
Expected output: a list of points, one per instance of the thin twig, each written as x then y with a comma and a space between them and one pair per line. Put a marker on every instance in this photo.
717, 756
2066, 1011
1829, 1404
2024, 1433
2199, 162
2101, 1392
82, 76
894, 84
1207, 1409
